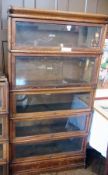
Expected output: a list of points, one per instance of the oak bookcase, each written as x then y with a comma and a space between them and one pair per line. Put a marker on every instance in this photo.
53, 67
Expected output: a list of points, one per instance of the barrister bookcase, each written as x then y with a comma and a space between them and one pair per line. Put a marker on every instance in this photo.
53, 66
4, 125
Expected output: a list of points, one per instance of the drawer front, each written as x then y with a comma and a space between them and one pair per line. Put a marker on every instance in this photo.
51, 35
48, 127
50, 101
47, 149
52, 71
4, 152
3, 127
4, 170
37, 167
3, 97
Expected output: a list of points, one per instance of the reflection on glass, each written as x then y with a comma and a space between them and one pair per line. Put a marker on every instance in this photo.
29, 128
1, 151
45, 148
53, 71
1, 126
51, 102
63, 37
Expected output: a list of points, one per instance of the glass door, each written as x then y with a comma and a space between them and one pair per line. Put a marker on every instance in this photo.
68, 36
35, 150
29, 103
50, 126
30, 71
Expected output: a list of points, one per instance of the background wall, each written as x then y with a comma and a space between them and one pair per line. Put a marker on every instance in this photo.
91, 6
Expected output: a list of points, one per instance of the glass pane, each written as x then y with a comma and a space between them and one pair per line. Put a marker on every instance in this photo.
1, 124
102, 86
1, 151
45, 148
63, 37
1, 170
53, 71
51, 102
29, 128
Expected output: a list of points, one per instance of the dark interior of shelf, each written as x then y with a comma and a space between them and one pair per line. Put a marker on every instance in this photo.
49, 107
43, 107
51, 147
61, 125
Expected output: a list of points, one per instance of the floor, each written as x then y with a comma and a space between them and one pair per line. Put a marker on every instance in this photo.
95, 166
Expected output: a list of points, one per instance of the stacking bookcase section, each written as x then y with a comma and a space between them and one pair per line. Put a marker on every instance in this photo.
35, 150
60, 32
4, 140
68, 100
52, 71
53, 67
37, 126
